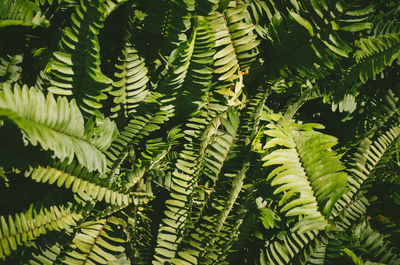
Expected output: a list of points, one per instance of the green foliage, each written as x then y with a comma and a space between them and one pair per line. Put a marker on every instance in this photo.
199, 132
21, 12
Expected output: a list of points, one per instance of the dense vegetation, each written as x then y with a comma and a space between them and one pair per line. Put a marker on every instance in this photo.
199, 132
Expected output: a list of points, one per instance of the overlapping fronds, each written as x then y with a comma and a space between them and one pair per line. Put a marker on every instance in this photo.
200, 133
190, 74
130, 87
374, 54
97, 242
57, 125
375, 246
309, 173
77, 179
235, 41
368, 156
167, 22
137, 128
21, 12
293, 244
207, 230
9, 71
22, 228
75, 68
309, 38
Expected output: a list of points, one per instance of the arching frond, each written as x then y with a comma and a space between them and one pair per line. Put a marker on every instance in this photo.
57, 125
368, 157
79, 180
25, 227
21, 13
137, 128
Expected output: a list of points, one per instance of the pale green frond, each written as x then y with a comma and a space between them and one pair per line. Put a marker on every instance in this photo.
308, 173
57, 125
22, 228
21, 13
77, 179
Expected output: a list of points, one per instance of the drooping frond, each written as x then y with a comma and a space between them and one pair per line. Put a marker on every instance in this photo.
130, 87
75, 68
25, 227
77, 179
309, 174
57, 125
97, 242
21, 13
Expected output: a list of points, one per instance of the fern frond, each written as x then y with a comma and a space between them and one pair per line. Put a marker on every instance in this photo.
309, 173
167, 21
21, 13
235, 41
284, 251
190, 74
25, 227
78, 180
9, 71
375, 245
201, 131
97, 242
374, 55
206, 229
368, 156
137, 128
130, 87
57, 125
75, 68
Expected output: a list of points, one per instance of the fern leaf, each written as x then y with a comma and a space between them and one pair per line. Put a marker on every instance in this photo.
57, 125
369, 155
235, 41
190, 74
96, 242
25, 227
374, 55
9, 71
131, 85
167, 22
138, 128
75, 68
200, 133
284, 251
21, 13
79, 181
309, 174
